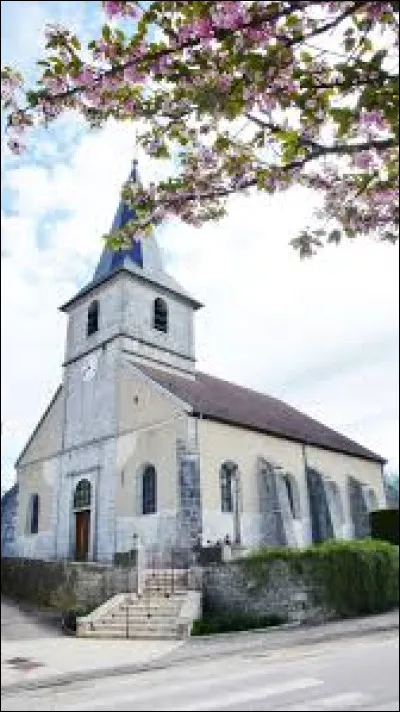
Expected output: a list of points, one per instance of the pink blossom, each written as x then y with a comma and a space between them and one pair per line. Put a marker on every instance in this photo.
163, 64
10, 82
384, 197
363, 160
267, 102
110, 81
200, 28
16, 146
224, 82
7, 92
372, 119
375, 10
130, 106
258, 34
86, 76
228, 15
55, 84
113, 9
49, 109
132, 75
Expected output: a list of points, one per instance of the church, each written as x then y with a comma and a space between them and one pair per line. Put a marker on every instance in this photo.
137, 444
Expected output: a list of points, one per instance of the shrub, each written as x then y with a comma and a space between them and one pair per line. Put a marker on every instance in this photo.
385, 525
349, 578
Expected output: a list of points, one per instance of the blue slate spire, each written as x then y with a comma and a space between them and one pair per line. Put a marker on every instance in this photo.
112, 259
125, 212
143, 258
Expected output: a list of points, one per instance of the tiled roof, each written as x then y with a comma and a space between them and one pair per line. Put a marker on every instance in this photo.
227, 402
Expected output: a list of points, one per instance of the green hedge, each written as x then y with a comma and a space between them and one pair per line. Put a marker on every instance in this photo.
385, 525
351, 578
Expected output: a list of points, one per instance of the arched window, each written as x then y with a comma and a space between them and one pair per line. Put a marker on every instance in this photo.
82, 495
149, 490
33, 514
372, 500
227, 483
160, 315
93, 318
335, 500
292, 495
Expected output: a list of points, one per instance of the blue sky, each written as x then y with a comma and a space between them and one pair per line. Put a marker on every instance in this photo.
321, 334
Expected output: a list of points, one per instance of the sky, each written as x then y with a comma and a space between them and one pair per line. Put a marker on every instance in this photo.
321, 334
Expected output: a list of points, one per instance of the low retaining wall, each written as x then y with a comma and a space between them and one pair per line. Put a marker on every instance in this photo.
64, 584
229, 590
332, 580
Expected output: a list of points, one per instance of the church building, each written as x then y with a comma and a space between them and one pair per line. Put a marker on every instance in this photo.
138, 443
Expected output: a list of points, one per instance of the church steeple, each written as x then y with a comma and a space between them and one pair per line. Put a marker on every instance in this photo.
142, 259
124, 212
111, 259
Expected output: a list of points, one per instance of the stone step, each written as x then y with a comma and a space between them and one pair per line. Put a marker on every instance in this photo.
156, 635
155, 601
150, 606
142, 618
136, 629
167, 578
165, 586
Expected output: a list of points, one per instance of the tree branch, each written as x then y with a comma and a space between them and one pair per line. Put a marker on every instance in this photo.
219, 34
295, 165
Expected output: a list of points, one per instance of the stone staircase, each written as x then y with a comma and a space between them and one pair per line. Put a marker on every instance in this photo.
165, 609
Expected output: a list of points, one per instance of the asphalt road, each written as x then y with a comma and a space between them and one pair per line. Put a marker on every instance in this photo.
19, 622
350, 674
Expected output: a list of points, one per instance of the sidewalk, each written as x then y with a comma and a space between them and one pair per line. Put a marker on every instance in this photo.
28, 664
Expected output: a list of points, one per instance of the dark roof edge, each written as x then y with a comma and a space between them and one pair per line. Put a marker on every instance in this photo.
9, 493
46, 412
267, 431
90, 287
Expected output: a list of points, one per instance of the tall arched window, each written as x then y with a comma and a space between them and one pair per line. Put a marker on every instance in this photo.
149, 490
160, 320
371, 498
82, 495
33, 514
227, 482
93, 318
335, 500
293, 496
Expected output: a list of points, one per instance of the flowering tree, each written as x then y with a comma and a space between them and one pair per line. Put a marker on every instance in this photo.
240, 95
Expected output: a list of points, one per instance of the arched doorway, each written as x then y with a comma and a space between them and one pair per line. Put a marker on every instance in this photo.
82, 505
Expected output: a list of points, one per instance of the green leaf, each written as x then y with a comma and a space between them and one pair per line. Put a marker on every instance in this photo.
75, 42
106, 33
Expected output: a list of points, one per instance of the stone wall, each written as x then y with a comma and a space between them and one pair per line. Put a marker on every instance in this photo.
63, 585
9, 515
229, 590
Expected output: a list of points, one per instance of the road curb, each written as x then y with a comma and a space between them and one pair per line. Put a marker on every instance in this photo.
310, 637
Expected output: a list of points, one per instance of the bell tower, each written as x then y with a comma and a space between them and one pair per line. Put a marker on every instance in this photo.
133, 299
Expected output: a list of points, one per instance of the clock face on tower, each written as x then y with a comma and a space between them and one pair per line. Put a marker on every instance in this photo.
89, 367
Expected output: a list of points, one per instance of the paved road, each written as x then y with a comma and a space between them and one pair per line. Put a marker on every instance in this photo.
352, 674
20, 624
